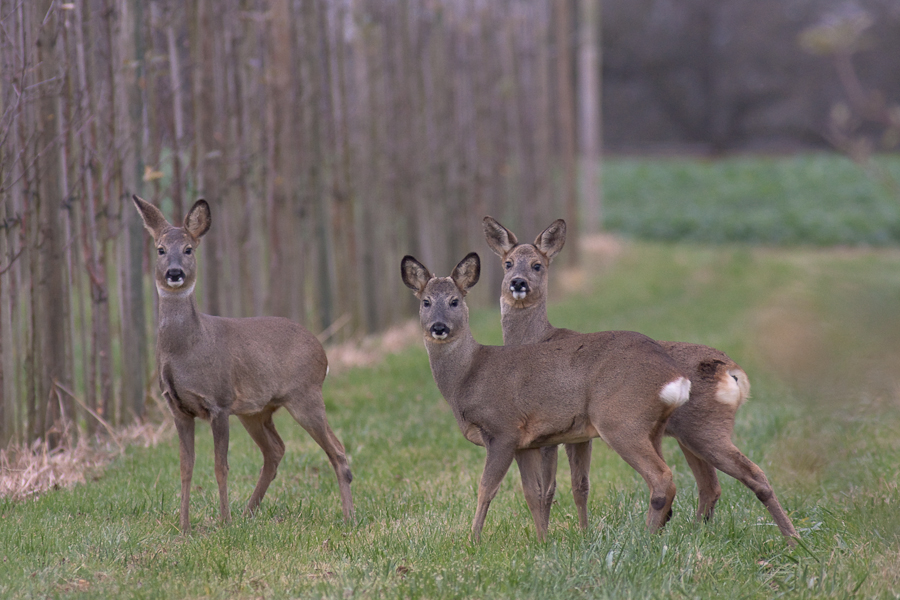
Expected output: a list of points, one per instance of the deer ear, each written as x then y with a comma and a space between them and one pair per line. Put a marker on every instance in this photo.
153, 219
198, 219
500, 239
467, 272
552, 239
414, 274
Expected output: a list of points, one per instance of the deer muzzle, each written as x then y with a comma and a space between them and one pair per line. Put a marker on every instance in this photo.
175, 277
440, 331
519, 288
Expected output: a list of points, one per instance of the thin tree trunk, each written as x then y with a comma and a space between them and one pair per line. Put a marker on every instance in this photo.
589, 112
566, 108
130, 45
50, 288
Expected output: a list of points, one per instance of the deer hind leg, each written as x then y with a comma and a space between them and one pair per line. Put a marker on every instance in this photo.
548, 465
642, 454
499, 458
732, 461
185, 428
220, 432
531, 464
262, 429
580, 465
309, 412
708, 488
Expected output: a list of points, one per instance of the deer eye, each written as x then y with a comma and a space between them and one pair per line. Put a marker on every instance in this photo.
188, 250
536, 267
454, 303
508, 264
426, 303
161, 251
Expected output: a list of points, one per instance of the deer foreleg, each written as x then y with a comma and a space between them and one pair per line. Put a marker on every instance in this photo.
531, 463
185, 428
580, 465
219, 423
499, 458
548, 481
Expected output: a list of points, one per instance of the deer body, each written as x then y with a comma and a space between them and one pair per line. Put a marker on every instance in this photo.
620, 386
214, 367
702, 426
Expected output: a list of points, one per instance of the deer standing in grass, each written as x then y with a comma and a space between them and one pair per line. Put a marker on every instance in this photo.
619, 385
703, 426
213, 367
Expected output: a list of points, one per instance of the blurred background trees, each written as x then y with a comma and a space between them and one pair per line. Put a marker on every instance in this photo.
333, 136
330, 137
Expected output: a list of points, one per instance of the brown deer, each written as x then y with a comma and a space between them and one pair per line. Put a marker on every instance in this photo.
618, 385
703, 426
213, 367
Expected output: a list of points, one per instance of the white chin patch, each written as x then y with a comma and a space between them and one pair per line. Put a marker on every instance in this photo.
175, 283
439, 336
519, 295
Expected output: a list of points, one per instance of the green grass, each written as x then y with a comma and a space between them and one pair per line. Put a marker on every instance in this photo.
806, 199
822, 423
816, 329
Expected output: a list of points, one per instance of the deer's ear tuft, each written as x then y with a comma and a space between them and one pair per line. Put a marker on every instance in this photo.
552, 239
153, 219
198, 219
414, 274
500, 239
467, 272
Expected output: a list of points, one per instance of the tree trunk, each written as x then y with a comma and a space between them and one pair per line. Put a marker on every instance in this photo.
566, 109
130, 44
50, 284
589, 113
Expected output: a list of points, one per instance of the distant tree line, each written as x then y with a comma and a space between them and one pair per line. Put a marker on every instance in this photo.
722, 75
330, 138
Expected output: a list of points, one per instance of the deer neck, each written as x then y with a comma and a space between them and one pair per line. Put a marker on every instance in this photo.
451, 363
179, 325
527, 325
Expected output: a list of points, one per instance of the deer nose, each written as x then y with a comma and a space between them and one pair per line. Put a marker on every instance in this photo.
175, 276
519, 288
439, 331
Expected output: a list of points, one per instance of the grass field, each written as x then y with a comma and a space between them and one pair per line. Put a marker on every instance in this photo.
815, 328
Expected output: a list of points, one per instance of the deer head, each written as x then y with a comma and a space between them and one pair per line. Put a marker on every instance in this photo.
176, 263
442, 309
524, 265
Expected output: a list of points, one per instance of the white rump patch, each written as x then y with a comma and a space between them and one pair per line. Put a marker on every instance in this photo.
733, 388
675, 393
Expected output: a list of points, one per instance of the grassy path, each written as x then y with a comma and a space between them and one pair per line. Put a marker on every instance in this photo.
817, 330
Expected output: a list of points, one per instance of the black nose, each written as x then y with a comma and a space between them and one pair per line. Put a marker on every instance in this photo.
439, 330
175, 275
519, 285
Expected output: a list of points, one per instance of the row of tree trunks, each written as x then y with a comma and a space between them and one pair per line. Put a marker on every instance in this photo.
330, 138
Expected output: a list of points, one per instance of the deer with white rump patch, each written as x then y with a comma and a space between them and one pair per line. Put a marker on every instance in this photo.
703, 426
620, 386
214, 367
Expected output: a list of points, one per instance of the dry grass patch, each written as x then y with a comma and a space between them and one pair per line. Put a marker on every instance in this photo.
29, 471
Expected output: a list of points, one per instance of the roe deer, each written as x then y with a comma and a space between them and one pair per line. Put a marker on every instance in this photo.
618, 385
213, 367
703, 426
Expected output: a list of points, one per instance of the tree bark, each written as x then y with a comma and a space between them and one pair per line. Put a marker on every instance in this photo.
589, 113
50, 284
